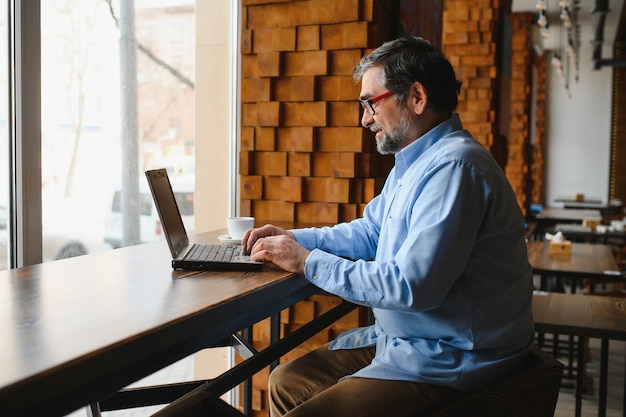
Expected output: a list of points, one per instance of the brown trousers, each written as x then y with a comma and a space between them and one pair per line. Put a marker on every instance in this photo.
308, 386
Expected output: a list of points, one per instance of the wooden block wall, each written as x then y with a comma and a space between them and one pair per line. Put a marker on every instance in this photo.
470, 33
617, 184
304, 156
537, 194
521, 84
469, 42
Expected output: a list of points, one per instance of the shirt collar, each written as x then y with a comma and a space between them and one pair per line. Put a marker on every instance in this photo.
411, 152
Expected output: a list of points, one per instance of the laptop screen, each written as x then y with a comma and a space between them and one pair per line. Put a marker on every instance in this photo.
166, 206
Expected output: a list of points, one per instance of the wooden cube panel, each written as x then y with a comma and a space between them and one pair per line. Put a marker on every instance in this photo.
269, 163
245, 163
252, 187
247, 139
305, 63
304, 114
265, 138
337, 88
343, 139
332, 190
296, 89
283, 188
335, 164
345, 35
250, 114
308, 38
272, 210
246, 41
268, 113
342, 62
299, 164
332, 11
268, 64
318, 213
344, 113
269, 14
348, 212
296, 139
249, 66
374, 165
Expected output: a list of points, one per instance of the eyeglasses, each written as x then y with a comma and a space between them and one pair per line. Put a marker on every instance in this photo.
368, 105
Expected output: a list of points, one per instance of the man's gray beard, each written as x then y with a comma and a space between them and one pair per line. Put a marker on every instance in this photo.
392, 141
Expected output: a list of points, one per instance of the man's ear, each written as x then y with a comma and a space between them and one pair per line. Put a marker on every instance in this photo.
419, 98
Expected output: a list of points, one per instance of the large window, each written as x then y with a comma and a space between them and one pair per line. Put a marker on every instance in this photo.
99, 91
117, 98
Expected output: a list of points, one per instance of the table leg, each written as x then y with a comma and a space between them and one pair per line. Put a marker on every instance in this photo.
93, 410
604, 366
624, 399
555, 345
570, 355
247, 384
274, 335
580, 376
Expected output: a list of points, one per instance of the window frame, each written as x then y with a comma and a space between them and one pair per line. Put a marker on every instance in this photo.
24, 129
25, 126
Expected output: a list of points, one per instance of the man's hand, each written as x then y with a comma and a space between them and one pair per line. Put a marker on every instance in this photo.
276, 245
252, 235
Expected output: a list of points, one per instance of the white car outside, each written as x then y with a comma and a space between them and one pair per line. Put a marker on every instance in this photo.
150, 229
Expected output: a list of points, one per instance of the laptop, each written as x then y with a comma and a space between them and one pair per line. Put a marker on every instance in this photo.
185, 255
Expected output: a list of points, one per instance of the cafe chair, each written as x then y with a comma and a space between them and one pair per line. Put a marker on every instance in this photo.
531, 391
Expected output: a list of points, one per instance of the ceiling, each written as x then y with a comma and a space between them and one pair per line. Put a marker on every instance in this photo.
584, 18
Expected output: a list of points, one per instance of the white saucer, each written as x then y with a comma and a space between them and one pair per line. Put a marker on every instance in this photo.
228, 239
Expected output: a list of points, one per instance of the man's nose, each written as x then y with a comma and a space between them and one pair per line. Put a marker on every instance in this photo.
367, 119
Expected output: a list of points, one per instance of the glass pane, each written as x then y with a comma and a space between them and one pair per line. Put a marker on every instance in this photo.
4, 137
113, 107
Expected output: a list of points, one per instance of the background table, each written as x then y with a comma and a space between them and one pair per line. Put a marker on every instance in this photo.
584, 316
585, 203
567, 215
587, 261
550, 216
580, 233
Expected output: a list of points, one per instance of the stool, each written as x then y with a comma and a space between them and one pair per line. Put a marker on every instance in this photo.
531, 391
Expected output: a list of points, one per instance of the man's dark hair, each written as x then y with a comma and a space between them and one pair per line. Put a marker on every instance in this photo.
410, 59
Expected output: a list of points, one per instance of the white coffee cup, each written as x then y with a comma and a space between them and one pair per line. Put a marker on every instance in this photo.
237, 226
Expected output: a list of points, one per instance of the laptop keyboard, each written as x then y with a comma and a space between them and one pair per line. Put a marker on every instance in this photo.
213, 253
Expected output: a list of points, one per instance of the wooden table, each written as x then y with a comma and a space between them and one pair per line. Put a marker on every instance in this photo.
585, 203
550, 216
567, 215
584, 316
75, 331
587, 261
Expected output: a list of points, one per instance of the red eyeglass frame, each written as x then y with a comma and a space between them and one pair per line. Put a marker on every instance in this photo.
368, 104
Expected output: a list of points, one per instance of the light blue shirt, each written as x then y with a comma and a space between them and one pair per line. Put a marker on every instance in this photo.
440, 257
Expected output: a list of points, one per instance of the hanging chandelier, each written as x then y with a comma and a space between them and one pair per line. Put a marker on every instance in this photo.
565, 59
